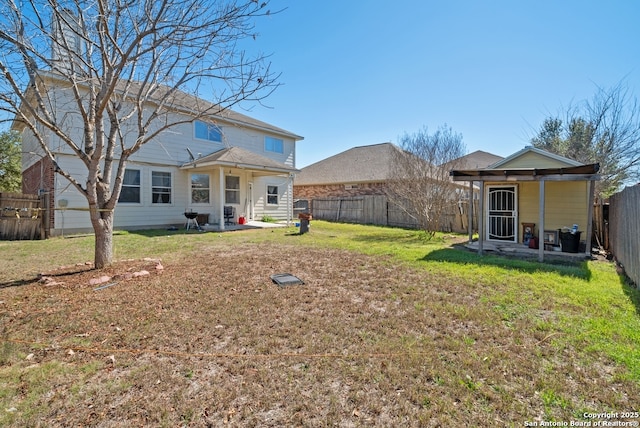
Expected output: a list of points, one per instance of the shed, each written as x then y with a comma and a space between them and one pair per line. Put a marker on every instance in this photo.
532, 193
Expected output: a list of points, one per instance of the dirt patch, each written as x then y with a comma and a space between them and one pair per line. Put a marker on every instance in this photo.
82, 274
210, 340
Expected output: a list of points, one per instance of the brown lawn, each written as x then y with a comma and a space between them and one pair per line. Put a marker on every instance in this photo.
210, 341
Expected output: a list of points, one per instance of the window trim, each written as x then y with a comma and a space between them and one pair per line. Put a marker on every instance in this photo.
209, 127
171, 189
268, 147
277, 195
139, 187
208, 189
236, 191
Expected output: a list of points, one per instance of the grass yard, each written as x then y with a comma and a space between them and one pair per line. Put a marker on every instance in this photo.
388, 330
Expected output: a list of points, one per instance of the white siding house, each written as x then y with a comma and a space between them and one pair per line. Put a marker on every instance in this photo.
229, 159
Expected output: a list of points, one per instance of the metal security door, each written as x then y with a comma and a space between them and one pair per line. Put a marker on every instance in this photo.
502, 216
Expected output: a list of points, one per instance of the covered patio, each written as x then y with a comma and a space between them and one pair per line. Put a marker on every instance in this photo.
236, 179
546, 179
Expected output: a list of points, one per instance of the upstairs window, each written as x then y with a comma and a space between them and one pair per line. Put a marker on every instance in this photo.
130, 192
200, 188
207, 131
160, 187
275, 145
272, 195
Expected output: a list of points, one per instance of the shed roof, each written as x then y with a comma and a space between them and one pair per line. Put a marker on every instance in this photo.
580, 172
532, 157
529, 164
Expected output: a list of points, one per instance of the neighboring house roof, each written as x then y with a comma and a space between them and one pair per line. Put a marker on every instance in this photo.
362, 164
236, 157
477, 159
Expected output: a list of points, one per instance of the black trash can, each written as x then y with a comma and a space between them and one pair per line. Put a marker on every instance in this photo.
570, 242
304, 218
304, 225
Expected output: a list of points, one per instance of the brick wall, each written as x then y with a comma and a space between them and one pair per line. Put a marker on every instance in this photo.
337, 190
31, 180
40, 174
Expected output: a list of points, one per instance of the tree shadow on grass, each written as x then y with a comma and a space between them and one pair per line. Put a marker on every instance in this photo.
153, 233
17, 283
409, 238
460, 254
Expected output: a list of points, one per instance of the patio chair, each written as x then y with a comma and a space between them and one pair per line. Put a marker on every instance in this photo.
229, 215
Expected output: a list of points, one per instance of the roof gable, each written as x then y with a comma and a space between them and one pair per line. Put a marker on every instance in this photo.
532, 157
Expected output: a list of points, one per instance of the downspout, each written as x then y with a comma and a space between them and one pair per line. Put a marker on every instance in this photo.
290, 201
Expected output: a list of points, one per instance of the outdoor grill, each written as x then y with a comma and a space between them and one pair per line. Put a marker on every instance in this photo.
191, 220
191, 215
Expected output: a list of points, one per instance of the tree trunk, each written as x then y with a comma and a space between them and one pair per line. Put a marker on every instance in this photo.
103, 228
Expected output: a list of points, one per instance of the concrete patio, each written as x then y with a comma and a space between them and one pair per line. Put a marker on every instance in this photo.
253, 224
520, 250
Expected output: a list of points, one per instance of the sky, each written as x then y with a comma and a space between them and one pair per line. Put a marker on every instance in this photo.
361, 72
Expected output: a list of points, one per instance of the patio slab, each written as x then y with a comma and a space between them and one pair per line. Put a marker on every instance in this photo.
520, 250
253, 224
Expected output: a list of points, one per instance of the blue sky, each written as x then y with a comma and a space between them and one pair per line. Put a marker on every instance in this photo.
365, 72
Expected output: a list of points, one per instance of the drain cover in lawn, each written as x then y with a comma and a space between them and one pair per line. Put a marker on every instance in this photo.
286, 279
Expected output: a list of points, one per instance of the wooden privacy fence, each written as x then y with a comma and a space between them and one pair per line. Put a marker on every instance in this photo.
377, 209
21, 217
624, 230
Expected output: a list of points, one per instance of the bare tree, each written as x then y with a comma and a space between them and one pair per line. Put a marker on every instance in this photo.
420, 182
604, 129
125, 67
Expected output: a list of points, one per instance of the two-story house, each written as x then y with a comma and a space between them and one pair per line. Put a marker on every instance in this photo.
204, 165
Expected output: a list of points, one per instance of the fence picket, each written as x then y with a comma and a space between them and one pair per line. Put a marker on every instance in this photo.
624, 230
378, 210
21, 217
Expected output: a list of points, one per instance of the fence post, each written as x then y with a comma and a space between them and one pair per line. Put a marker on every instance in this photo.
44, 215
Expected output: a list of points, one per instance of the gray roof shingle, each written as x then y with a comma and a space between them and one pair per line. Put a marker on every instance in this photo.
362, 164
239, 157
